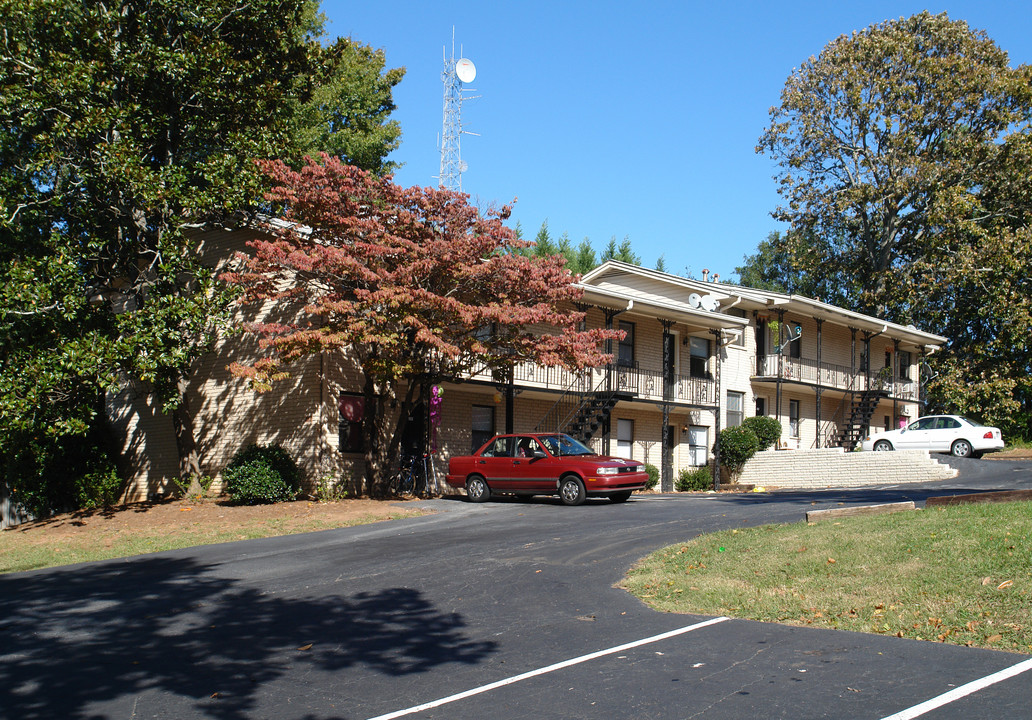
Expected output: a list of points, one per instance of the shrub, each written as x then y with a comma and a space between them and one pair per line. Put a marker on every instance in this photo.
737, 445
54, 473
698, 478
653, 480
261, 474
767, 429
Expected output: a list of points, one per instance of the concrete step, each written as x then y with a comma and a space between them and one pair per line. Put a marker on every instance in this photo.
835, 468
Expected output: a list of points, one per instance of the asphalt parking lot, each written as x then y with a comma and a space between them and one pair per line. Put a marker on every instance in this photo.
501, 610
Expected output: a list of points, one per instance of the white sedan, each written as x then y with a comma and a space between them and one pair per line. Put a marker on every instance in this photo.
954, 434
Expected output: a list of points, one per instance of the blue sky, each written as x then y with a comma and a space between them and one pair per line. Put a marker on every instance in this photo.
623, 119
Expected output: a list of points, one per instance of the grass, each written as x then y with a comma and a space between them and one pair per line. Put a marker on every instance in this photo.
43, 547
960, 574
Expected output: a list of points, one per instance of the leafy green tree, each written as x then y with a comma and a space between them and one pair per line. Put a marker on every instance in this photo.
125, 127
905, 148
348, 114
406, 281
779, 265
661, 264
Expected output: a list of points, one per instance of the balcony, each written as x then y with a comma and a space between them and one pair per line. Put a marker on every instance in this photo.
839, 377
642, 383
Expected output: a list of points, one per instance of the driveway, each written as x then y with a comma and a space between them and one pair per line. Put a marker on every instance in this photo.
501, 610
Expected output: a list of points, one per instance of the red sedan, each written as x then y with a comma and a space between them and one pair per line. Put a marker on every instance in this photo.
544, 464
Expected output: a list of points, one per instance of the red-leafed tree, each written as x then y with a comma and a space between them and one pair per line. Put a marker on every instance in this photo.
414, 284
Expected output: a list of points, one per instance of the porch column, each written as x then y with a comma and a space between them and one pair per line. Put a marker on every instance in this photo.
716, 410
666, 449
895, 383
820, 388
781, 363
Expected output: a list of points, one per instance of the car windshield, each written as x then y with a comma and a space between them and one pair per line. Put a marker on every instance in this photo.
562, 444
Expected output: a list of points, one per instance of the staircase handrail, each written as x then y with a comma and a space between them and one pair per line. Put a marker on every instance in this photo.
573, 390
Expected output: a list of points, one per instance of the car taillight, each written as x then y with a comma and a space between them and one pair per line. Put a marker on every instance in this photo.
988, 435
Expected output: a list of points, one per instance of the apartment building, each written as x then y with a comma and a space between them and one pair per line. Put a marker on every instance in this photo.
697, 356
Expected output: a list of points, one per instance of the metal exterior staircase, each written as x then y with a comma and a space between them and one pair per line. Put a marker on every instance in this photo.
581, 413
852, 430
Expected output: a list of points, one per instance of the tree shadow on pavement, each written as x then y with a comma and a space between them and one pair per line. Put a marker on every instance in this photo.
83, 637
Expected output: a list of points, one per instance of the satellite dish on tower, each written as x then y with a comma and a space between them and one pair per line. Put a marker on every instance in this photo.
465, 70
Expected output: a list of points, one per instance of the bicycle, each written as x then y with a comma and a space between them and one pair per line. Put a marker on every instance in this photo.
410, 478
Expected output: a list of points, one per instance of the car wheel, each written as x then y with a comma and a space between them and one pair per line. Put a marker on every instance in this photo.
620, 497
882, 445
960, 448
571, 491
477, 490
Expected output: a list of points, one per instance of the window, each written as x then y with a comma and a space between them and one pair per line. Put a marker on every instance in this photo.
793, 417
527, 446
887, 425
904, 365
698, 364
349, 428
502, 447
625, 353
624, 438
483, 425
735, 408
698, 445
761, 407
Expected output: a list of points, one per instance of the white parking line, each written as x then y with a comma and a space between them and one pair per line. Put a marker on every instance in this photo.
963, 690
550, 668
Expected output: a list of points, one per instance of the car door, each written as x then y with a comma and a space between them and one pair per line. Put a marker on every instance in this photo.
946, 431
495, 462
918, 435
529, 467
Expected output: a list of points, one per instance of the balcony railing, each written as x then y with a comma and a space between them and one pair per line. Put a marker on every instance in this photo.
643, 383
836, 376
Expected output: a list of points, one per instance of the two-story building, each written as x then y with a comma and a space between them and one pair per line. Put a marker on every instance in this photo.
697, 356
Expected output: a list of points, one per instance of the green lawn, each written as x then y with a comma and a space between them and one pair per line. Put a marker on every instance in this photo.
960, 574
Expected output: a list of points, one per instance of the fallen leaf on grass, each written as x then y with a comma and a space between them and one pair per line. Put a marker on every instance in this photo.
831, 561
1005, 584
994, 638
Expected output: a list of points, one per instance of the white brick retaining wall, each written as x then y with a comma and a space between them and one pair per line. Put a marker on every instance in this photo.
835, 468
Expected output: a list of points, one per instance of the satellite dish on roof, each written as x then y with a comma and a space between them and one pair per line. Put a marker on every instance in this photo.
465, 70
695, 300
709, 302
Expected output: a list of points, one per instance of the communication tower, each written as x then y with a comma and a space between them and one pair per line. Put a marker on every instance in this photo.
457, 73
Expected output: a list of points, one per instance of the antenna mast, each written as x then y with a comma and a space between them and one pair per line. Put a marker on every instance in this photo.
456, 73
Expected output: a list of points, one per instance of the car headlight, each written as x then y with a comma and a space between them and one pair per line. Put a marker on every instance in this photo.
607, 471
